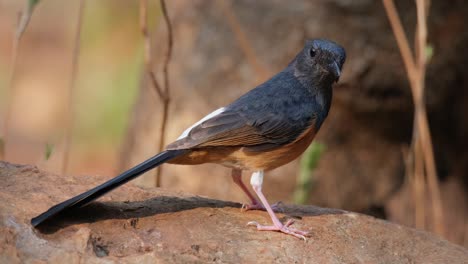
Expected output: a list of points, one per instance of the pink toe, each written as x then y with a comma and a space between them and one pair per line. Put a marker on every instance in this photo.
283, 229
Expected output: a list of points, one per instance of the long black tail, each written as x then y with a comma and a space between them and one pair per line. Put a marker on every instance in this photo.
96, 192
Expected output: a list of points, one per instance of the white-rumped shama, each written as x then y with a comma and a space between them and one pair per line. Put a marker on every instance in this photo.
265, 128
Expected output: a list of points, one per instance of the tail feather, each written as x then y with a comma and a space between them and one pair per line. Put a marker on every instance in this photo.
96, 192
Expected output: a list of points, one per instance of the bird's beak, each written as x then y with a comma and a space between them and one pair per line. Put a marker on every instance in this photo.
336, 70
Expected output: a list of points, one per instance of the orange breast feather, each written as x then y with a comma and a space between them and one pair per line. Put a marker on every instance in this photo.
242, 158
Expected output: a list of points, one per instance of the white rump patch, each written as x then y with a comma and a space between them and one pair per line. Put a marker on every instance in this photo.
257, 178
212, 114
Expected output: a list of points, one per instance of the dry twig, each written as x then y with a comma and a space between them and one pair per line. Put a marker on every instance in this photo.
465, 236
147, 44
416, 68
23, 21
166, 98
419, 186
71, 88
243, 41
163, 94
11, 96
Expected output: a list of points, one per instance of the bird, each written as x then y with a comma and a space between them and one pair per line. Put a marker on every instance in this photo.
267, 127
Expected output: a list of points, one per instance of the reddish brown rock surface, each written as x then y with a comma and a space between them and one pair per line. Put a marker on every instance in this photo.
133, 225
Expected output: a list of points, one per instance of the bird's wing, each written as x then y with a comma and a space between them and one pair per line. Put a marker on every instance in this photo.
258, 130
275, 113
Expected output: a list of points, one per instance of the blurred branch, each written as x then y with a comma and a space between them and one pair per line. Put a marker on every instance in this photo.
401, 39
71, 90
2, 148
419, 186
422, 149
169, 47
243, 41
23, 21
421, 117
163, 94
166, 98
465, 235
147, 44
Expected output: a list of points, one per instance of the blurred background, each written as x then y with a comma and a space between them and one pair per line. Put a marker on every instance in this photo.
221, 50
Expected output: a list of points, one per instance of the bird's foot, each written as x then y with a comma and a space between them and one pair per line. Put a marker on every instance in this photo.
258, 206
282, 228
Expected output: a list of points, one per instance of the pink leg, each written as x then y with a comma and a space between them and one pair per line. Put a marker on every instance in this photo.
256, 181
237, 178
255, 204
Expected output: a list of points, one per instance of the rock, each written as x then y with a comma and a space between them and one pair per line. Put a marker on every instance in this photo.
133, 225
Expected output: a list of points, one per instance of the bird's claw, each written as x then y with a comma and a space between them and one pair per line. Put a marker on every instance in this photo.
284, 229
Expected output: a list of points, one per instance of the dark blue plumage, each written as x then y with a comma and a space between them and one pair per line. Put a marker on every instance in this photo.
279, 110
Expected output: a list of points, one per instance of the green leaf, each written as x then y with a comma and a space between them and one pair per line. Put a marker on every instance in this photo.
49, 148
25, 17
2, 148
32, 4
429, 52
308, 163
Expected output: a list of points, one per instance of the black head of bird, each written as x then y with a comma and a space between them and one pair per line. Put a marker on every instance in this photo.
320, 60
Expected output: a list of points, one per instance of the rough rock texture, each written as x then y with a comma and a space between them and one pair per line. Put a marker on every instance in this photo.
132, 225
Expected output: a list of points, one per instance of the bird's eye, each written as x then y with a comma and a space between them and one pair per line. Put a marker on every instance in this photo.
312, 52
